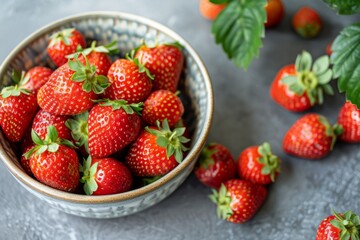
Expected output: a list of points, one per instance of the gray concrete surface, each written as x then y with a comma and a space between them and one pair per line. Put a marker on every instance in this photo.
244, 115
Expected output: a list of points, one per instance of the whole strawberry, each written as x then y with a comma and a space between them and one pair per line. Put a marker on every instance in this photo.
37, 77
63, 43
311, 137
112, 126
215, 165
339, 227
156, 151
161, 105
129, 80
72, 88
307, 22
17, 108
54, 162
349, 119
258, 165
298, 87
165, 62
238, 200
104, 176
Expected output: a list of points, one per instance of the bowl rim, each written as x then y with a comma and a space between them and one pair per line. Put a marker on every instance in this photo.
41, 188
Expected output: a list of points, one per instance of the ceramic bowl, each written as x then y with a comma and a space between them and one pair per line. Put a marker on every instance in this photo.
129, 31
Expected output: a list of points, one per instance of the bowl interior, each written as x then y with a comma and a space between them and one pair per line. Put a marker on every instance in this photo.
128, 31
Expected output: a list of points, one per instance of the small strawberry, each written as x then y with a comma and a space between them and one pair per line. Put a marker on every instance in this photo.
78, 126
37, 77
257, 164
339, 227
210, 10
105, 176
238, 200
215, 165
17, 108
274, 13
161, 105
328, 48
44, 119
53, 161
307, 22
297, 87
311, 137
112, 126
129, 80
165, 62
156, 151
63, 43
349, 119
72, 88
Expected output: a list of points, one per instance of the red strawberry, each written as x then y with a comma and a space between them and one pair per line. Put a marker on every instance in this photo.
339, 227
63, 43
129, 80
112, 126
104, 176
258, 165
156, 151
274, 13
53, 161
36, 78
215, 165
328, 49
238, 200
311, 137
306, 22
44, 119
165, 62
71, 89
161, 105
298, 87
17, 109
349, 119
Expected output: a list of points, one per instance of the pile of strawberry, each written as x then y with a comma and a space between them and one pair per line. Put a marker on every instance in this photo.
96, 123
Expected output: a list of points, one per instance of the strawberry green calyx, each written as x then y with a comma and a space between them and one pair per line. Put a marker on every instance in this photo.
175, 44
271, 163
348, 223
79, 129
205, 159
312, 79
88, 171
62, 35
149, 180
331, 131
172, 140
131, 56
87, 75
50, 144
117, 104
223, 201
15, 90
109, 49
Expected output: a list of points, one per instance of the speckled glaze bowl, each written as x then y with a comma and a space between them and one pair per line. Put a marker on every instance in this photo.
129, 31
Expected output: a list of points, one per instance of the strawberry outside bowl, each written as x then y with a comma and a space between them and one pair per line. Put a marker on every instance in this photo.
129, 31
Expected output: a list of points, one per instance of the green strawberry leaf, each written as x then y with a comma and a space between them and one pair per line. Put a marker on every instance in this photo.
79, 129
88, 176
239, 29
344, 7
219, 1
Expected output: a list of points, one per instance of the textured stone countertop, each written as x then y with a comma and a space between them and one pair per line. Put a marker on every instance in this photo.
244, 115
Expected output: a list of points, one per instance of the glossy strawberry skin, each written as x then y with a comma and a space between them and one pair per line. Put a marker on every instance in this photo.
16, 114
60, 50
160, 105
38, 76
165, 62
307, 138
146, 159
62, 96
306, 22
111, 130
210, 10
127, 83
223, 167
282, 95
59, 170
112, 176
349, 119
246, 197
274, 12
100, 60
326, 231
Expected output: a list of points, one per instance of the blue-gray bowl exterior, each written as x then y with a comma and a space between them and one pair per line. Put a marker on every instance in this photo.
129, 31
